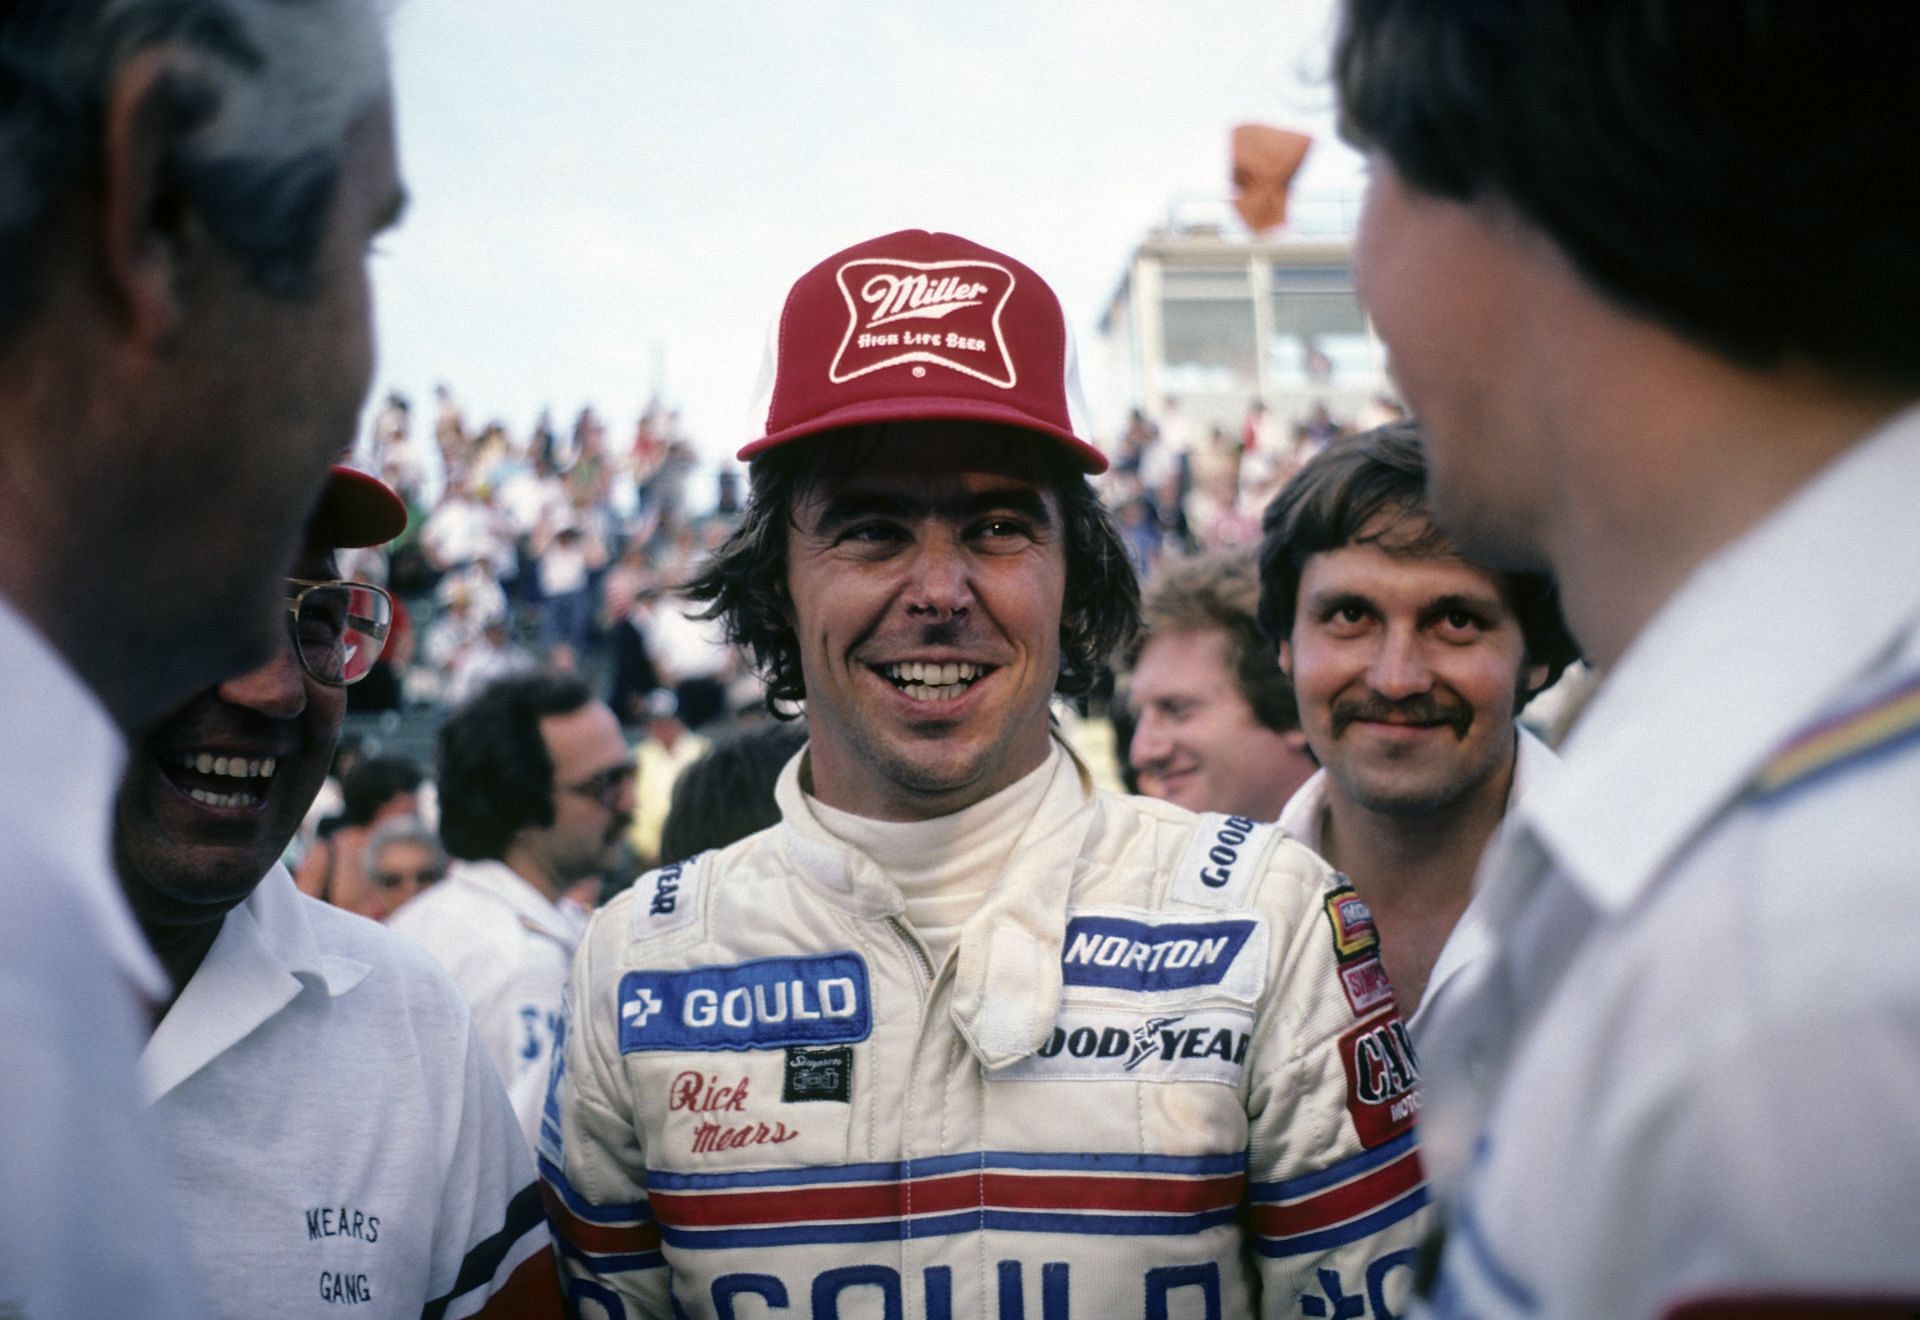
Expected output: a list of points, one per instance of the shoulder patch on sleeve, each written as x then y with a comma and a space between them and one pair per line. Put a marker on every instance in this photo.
1354, 937
1383, 1078
1862, 729
666, 899
1224, 860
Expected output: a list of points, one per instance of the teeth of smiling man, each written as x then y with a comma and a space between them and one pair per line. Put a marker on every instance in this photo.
220, 799
931, 675
232, 767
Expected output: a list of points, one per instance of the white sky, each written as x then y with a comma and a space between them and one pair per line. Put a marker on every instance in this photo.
606, 192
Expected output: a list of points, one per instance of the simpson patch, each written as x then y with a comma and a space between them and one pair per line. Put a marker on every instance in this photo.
1142, 954
770, 1003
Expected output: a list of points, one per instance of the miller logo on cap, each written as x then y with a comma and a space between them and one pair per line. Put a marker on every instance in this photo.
946, 312
920, 326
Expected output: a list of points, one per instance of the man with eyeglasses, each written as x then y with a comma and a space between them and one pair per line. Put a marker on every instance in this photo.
336, 1127
536, 793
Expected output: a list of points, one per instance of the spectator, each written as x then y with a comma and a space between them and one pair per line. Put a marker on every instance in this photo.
667, 750
1410, 666
403, 857
333, 870
536, 789
1598, 243
184, 328
431, 1209
1216, 728
728, 793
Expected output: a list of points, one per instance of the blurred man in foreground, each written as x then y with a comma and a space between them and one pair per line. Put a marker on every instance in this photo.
1215, 724
336, 1128
1043, 1046
1410, 666
187, 194
1648, 278
536, 793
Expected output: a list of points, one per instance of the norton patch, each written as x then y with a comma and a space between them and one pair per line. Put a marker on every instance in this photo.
769, 1003
1113, 952
824, 1073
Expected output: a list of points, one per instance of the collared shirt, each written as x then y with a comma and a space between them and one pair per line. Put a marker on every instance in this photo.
507, 946
88, 1225
1692, 1065
1305, 815
340, 1137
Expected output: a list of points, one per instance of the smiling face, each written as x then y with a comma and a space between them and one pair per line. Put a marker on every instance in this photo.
926, 589
1198, 742
1408, 673
213, 794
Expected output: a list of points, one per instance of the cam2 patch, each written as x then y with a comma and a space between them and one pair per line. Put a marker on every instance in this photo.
1383, 1078
818, 1073
1145, 953
769, 1003
1352, 923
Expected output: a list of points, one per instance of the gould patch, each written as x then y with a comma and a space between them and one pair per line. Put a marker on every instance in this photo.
1113, 952
770, 1003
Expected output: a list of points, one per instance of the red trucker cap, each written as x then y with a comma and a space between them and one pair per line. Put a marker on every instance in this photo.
920, 326
356, 510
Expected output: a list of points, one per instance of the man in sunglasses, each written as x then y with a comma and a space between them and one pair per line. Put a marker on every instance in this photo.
337, 1128
536, 793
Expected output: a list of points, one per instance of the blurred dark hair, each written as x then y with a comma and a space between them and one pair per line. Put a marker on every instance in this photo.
1370, 489
1730, 170
373, 783
495, 775
728, 793
1222, 591
745, 582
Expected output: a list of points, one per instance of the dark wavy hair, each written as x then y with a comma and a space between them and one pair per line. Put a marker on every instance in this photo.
745, 583
373, 783
495, 775
1729, 170
1371, 489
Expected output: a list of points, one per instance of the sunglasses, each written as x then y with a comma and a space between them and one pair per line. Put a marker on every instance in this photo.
605, 787
394, 879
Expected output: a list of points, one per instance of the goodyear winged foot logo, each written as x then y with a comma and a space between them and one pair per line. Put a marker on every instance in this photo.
945, 313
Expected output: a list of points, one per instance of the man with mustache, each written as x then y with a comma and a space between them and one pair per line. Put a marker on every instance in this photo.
1410, 665
536, 793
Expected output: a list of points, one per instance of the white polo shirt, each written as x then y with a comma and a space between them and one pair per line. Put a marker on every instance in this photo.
88, 1223
1694, 1065
1304, 817
342, 1145
508, 947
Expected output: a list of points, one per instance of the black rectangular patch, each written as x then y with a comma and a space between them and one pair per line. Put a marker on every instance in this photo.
819, 1073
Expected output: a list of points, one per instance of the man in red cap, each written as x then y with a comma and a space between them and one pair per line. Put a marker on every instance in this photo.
336, 1128
962, 1030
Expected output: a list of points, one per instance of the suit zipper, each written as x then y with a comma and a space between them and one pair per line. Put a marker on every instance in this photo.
920, 958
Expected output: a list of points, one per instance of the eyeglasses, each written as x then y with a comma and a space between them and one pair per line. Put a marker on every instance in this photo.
394, 879
605, 787
338, 628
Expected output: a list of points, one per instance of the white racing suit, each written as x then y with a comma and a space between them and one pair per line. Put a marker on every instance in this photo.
1161, 1077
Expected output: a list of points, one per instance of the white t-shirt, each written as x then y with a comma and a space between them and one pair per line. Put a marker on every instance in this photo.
508, 947
88, 1223
342, 1144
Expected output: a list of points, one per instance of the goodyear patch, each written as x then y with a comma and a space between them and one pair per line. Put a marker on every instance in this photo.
770, 1003
1353, 934
665, 899
1136, 1045
1145, 954
1223, 861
